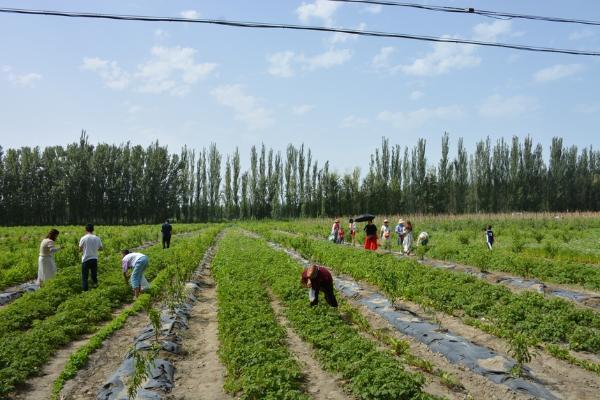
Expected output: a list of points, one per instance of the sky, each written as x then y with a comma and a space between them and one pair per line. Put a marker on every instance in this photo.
191, 84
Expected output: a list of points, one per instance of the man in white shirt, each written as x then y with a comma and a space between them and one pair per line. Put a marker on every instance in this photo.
89, 244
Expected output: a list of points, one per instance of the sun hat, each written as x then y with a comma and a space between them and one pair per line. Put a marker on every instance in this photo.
401, 221
385, 220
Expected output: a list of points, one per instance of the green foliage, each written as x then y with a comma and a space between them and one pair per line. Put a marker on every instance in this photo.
517, 244
463, 239
538, 236
368, 372
144, 362
550, 320
519, 350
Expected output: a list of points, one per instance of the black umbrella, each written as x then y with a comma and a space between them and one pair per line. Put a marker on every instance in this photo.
364, 217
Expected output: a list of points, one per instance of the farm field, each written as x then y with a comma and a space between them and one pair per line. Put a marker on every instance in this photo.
238, 316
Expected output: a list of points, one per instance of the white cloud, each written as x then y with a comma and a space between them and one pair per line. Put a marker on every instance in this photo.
444, 58
248, 109
320, 9
280, 64
373, 9
382, 59
302, 109
416, 118
497, 106
110, 72
132, 108
352, 121
587, 108
170, 70
579, 35
328, 59
416, 95
22, 80
340, 37
490, 32
557, 72
190, 14
161, 34
283, 64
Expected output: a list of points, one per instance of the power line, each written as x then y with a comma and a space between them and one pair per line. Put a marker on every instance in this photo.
265, 25
471, 10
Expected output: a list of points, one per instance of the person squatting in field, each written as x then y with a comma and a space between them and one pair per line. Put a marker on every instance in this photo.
138, 263
89, 245
489, 237
46, 264
166, 230
423, 239
371, 236
386, 235
317, 278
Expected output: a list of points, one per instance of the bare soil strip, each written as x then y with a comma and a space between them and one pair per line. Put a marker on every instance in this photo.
566, 380
320, 384
199, 372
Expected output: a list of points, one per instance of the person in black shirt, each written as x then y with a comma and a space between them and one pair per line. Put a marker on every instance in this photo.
166, 234
371, 236
489, 237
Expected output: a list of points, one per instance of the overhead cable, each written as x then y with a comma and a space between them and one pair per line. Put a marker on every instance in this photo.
265, 25
471, 10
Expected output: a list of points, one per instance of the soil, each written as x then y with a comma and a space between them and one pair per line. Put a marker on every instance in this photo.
104, 361
564, 379
320, 385
199, 373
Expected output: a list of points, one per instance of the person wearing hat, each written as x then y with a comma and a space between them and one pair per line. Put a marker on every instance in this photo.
335, 229
386, 236
317, 278
371, 236
400, 231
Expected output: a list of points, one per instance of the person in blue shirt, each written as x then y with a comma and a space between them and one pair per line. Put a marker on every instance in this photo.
489, 237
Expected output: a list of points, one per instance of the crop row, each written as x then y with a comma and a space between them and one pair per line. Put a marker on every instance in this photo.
22, 353
506, 313
252, 344
20, 246
459, 247
79, 358
369, 373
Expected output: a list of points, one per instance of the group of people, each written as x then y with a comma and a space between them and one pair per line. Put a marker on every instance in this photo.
373, 236
133, 264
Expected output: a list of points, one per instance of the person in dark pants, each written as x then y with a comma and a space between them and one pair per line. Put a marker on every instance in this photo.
89, 244
318, 278
166, 234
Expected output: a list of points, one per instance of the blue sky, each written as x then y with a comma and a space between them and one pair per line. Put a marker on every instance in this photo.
193, 84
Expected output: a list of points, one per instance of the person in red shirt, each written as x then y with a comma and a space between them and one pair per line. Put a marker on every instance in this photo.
318, 278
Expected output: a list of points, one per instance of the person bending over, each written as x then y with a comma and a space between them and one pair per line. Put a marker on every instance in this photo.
318, 278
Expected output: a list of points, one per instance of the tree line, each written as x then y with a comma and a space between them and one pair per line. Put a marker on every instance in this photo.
130, 184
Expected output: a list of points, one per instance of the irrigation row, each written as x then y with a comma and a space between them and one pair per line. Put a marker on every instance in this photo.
457, 349
583, 298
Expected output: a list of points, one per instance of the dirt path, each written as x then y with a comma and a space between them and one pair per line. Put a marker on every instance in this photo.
320, 385
564, 379
103, 362
200, 374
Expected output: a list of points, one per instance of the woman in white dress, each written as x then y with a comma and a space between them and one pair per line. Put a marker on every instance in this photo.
408, 238
46, 264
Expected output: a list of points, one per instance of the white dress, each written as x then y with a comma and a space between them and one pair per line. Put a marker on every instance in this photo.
46, 264
408, 240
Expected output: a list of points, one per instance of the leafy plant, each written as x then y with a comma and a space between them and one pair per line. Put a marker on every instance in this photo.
519, 350
144, 361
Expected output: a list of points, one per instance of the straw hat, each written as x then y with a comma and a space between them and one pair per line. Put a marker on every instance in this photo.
385, 220
401, 221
